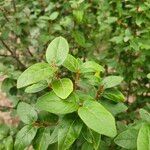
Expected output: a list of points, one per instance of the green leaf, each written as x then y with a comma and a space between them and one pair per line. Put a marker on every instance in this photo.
8, 143
114, 108
92, 137
44, 116
78, 14
148, 75
54, 15
111, 81
92, 79
62, 87
52, 103
71, 63
68, 132
114, 95
42, 138
26, 113
79, 38
36, 87
34, 74
145, 115
54, 135
57, 51
87, 146
4, 130
91, 66
127, 139
96, 117
83, 96
24, 137
143, 140
7, 84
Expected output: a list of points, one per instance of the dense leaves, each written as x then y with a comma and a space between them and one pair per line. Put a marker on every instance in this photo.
107, 72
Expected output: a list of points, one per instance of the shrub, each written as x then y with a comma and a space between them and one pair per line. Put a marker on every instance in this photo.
112, 33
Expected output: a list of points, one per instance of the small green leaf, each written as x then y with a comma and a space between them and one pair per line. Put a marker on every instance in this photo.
71, 63
68, 132
36, 87
83, 96
78, 14
4, 130
54, 135
54, 15
127, 139
34, 74
24, 137
57, 51
26, 113
7, 84
44, 116
148, 76
143, 140
96, 117
87, 146
62, 87
41, 141
91, 79
52, 103
79, 38
145, 115
91, 66
114, 95
114, 108
8, 143
111, 81
92, 137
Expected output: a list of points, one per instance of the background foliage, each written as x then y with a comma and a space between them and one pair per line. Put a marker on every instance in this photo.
113, 33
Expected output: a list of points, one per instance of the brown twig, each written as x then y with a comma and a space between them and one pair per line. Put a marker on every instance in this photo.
14, 5
3, 108
7, 47
3, 55
99, 91
30, 52
76, 79
44, 124
13, 54
4, 15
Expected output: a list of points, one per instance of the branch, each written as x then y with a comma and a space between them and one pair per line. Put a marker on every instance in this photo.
30, 52
4, 108
14, 5
7, 47
3, 55
99, 91
4, 15
12, 54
